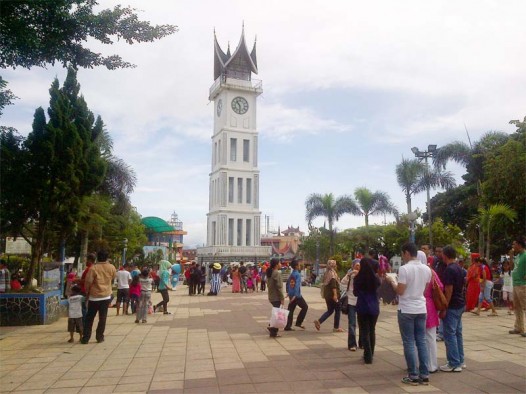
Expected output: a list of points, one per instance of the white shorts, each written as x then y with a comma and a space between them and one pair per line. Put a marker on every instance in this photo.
507, 295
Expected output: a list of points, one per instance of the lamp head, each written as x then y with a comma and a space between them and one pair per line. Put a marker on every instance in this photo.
415, 150
431, 148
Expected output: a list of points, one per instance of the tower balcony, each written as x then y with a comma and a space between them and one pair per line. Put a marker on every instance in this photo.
251, 85
258, 252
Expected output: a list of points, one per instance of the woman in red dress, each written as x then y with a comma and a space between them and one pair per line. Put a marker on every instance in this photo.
473, 283
236, 280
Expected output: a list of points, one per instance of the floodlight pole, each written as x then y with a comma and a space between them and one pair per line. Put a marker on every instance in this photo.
430, 152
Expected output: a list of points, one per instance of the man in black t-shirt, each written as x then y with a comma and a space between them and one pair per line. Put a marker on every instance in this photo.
453, 279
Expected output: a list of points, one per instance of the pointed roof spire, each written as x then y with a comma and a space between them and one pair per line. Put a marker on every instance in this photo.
242, 67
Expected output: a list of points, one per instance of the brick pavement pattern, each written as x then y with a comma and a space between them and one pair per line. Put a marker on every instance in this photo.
221, 345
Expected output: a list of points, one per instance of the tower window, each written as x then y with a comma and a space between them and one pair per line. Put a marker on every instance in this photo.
239, 190
248, 233
239, 232
233, 149
249, 191
231, 231
231, 189
246, 150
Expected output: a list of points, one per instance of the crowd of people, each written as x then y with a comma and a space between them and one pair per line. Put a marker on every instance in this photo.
422, 278
432, 291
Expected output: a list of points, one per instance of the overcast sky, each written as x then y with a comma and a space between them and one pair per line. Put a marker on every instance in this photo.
348, 88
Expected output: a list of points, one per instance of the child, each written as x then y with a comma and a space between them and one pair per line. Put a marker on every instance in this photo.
507, 287
146, 295
75, 301
135, 293
250, 284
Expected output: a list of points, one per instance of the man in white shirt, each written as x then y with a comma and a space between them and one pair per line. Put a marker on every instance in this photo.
123, 289
413, 277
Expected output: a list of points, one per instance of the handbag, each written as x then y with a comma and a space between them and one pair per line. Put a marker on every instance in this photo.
344, 303
439, 299
344, 299
278, 317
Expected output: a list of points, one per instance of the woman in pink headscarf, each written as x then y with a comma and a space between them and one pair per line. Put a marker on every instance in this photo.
331, 294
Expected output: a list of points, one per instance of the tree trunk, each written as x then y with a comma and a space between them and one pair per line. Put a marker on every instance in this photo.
36, 254
408, 202
488, 242
83, 250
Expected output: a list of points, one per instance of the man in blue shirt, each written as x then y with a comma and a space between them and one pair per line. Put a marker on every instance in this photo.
294, 294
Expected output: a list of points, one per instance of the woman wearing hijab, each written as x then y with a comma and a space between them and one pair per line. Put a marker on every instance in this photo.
431, 317
331, 293
164, 285
275, 290
366, 283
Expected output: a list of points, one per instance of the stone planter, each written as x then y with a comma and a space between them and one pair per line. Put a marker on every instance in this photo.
26, 309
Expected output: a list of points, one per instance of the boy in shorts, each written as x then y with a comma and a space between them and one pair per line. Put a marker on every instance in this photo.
75, 301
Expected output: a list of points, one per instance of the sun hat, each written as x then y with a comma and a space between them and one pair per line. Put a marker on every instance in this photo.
217, 266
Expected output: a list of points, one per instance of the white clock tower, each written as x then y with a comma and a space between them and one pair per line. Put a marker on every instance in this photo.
233, 220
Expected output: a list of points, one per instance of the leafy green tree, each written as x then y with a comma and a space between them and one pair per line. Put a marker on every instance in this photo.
370, 203
61, 165
443, 234
37, 33
473, 158
6, 96
505, 183
318, 241
331, 208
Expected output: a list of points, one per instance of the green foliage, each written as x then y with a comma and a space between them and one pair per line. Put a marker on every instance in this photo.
505, 183
443, 234
6, 96
36, 33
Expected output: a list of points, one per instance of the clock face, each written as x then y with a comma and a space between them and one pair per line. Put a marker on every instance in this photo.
240, 105
219, 107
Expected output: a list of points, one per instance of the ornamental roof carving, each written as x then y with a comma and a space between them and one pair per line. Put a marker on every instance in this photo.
239, 65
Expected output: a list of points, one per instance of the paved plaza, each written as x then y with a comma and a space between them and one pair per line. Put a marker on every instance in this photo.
220, 345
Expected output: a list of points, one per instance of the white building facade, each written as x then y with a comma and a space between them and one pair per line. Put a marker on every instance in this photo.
234, 218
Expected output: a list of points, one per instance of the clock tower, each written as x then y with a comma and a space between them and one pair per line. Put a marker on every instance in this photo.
234, 218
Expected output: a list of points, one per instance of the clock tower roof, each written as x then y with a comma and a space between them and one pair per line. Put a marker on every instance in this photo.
239, 65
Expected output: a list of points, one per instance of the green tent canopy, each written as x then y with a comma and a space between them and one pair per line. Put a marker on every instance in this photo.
156, 225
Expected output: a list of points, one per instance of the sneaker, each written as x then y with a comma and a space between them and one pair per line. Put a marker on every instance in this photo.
449, 368
100, 340
352, 348
464, 366
84, 341
424, 381
412, 382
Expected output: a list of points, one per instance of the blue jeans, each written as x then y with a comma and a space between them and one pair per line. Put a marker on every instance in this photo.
453, 337
351, 333
332, 306
413, 332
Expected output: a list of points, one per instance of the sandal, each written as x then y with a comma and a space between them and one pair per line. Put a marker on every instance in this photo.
300, 327
338, 330
493, 314
476, 313
317, 324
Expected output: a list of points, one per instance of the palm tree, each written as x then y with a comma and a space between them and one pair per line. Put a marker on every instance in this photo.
490, 217
414, 177
331, 208
370, 203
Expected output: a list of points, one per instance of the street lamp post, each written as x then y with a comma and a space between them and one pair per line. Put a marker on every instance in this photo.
125, 247
411, 217
430, 152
